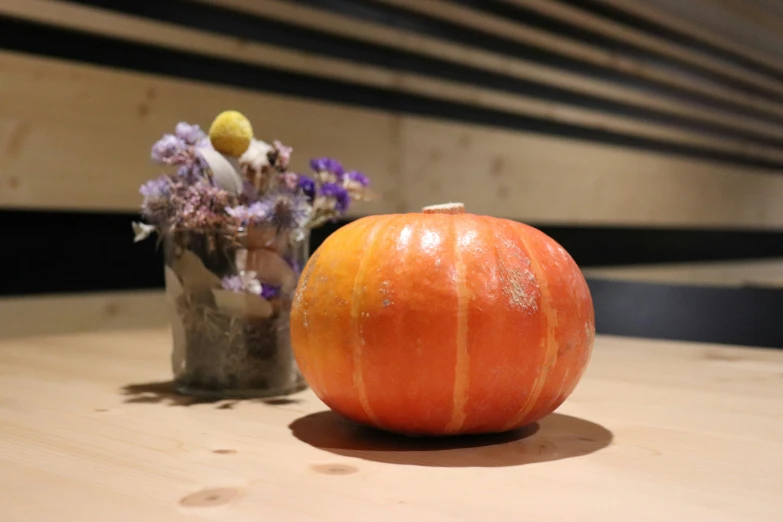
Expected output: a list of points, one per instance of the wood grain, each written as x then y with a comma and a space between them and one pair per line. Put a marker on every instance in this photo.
61, 109
78, 136
586, 53
535, 178
172, 36
648, 10
65, 314
88, 423
88, 132
464, 54
658, 45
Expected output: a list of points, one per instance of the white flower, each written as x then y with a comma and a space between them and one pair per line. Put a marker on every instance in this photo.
250, 282
256, 157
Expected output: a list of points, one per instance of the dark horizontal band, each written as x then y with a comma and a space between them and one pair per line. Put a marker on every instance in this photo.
69, 251
261, 29
53, 252
30, 37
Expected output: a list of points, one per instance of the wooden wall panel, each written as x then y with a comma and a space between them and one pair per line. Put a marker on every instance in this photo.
463, 53
752, 25
437, 100
553, 180
168, 35
79, 137
577, 50
610, 31
694, 20
92, 122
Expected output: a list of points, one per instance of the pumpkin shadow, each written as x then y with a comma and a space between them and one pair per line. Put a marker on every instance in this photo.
555, 437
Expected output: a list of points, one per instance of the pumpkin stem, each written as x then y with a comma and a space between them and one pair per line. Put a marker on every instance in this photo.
445, 208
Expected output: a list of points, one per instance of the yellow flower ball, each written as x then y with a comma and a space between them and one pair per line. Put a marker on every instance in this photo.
231, 133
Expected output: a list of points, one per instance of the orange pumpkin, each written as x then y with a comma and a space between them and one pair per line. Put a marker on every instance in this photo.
442, 322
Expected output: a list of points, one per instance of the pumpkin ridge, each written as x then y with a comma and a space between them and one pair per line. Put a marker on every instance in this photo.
556, 396
462, 364
357, 338
550, 315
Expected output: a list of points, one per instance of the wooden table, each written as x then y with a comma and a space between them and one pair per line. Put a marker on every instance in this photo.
90, 431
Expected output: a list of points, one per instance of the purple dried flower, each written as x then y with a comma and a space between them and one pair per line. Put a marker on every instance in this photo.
247, 282
290, 180
249, 191
233, 283
156, 188
246, 215
239, 213
154, 206
280, 155
356, 177
193, 166
258, 211
307, 185
324, 165
201, 206
356, 184
286, 209
181, 150
190, 134
193, 171
168, 149
340, 197
269, 291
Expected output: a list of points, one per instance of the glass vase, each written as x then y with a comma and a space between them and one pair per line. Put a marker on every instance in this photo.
229, 297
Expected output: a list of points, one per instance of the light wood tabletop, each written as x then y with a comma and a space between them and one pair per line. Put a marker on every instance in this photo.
657, 430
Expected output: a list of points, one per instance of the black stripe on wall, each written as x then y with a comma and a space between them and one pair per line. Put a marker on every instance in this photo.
260, 29
74, 252
653, 28
95, 250
30, 37
423, 24
614, 245
532, 18
723, 315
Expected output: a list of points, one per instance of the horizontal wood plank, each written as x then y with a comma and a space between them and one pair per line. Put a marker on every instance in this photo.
534, 178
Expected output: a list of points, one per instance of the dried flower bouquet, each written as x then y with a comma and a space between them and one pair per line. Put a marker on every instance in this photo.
235, 222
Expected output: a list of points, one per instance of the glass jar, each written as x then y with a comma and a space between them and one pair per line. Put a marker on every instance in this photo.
229, 298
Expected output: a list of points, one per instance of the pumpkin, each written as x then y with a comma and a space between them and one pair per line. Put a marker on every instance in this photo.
441, 322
